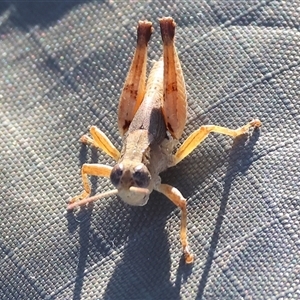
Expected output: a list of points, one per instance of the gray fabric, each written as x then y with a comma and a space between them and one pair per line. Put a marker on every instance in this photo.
62, 68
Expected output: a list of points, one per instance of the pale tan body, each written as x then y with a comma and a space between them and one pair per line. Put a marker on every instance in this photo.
151, 118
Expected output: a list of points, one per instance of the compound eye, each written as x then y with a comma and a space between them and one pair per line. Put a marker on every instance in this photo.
116, 174
141, 176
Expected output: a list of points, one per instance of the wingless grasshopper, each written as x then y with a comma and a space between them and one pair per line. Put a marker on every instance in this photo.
151, 119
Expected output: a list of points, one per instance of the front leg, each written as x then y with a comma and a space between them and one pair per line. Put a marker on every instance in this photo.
92, 170
176, 197
199, 135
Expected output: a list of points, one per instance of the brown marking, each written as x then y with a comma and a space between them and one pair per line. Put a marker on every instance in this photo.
144, 32
134, 93
171, 87
126, 125
130, 89
167, 29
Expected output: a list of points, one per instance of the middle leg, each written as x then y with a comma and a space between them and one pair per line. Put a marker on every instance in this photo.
201, 134
101, 141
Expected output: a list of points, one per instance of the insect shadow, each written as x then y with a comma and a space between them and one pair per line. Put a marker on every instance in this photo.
136, 237
135, 240
240, 159
144, 269
83, 219
144, 261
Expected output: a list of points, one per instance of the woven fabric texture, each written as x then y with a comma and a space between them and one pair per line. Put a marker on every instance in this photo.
62, 67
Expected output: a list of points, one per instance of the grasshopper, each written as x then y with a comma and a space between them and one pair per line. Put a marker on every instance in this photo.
151, 120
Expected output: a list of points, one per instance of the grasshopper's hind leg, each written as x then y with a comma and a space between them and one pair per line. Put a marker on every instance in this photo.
135, 84
174, 105
176, 197
92, 170
200, 134
101, 141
